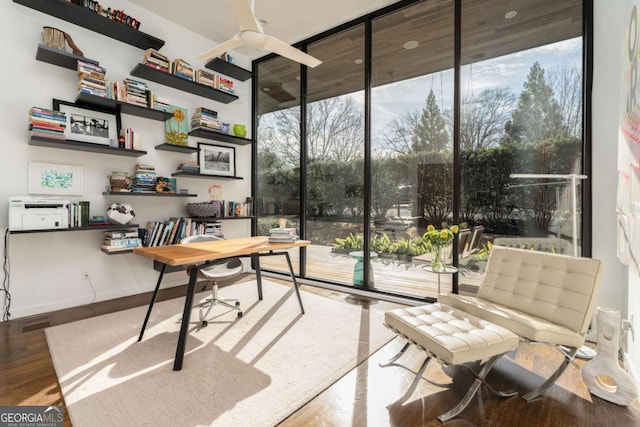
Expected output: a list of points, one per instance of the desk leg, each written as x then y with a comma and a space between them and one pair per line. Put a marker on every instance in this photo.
256, 260
153, 300
295, 283
186, 315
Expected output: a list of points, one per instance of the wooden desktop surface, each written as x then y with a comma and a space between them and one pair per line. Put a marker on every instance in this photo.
190, 253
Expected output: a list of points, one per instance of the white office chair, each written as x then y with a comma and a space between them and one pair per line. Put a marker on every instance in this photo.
223, 269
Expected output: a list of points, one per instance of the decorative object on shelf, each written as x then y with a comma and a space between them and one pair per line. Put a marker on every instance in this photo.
119, 181
89, 124
120, 213
203, 209
603, 375
51, 178
55, 38
438, 240
216, 160
215, 191
224, 128
176, 127
240, 130
166, 185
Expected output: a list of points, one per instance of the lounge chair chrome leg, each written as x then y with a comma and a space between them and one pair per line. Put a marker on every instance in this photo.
568, 357
489, 386
397, 356
486, 367
414, 383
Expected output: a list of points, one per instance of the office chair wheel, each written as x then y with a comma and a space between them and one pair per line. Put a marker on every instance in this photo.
205, 323
237, 303
239, 314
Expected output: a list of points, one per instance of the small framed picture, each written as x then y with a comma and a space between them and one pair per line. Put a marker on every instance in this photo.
52, 178
89, 124
216, 160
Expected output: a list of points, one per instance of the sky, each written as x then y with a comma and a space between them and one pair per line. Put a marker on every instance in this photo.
394, 100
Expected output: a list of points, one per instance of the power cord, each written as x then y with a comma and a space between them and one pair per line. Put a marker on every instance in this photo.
6, 284
95, 296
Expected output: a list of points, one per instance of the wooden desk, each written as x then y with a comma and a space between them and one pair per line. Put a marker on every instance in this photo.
205, 253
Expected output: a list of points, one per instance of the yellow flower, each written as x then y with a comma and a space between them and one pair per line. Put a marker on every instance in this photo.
178, 115
454, 229
444, 234
430, 227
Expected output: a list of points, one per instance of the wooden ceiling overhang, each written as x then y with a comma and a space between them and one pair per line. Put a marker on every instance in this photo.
486, 33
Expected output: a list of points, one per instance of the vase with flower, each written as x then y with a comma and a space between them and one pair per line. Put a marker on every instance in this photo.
437, 240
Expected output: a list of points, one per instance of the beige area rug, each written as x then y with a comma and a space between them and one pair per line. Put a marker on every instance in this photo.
253, 371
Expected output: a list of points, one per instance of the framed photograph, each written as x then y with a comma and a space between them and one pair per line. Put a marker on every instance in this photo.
216, 160
89, 124
52, 178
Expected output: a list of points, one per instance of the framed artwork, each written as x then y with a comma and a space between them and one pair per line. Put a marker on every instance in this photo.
89, 124
52, 178
216, 160
176, 128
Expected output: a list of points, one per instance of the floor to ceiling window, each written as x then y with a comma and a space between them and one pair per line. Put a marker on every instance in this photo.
412, 142
519, 142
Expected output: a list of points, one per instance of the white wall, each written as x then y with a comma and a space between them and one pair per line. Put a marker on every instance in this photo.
620, 289
45, 267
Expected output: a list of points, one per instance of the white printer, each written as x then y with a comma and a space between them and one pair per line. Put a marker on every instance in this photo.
36, 213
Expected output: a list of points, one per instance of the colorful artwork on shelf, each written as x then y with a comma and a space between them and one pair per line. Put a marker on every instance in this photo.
176, 128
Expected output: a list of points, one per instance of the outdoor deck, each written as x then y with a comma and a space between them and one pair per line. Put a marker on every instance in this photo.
399, 277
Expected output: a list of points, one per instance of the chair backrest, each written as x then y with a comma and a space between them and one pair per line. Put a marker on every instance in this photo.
559, 288
200, 238
474, 244
463, 238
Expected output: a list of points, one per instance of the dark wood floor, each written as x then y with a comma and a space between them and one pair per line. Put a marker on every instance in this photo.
366, 396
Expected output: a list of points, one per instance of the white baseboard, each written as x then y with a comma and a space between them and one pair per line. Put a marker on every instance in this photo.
84, 300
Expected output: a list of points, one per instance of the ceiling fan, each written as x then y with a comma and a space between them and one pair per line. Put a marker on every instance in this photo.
252, 34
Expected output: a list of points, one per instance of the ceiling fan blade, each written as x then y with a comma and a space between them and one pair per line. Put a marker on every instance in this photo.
221, 48
283, 49
246, 19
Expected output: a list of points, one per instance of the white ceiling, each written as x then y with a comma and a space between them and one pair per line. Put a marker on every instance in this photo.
288, 20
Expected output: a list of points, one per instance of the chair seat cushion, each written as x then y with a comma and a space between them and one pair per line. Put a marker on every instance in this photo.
525, 325
451, 335
225, 269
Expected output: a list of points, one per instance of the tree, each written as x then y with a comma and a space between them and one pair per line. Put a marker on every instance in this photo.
567, 87
483, 119
335, 131
430, 133
537, 116
399, 139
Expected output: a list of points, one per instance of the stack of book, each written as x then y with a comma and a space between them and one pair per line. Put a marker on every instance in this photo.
92, 79
120, 240
135, 92
238, 209
47, 123
158, 103
283, 235
154, 59
188, 166
79, 214
182, 68
205, 118
205, 78
172, 231
225, 85
144, 179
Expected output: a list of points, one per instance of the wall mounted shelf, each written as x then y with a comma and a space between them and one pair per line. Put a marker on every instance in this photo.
67, 144
87, 228
203, 176
218, 136
92, 21
61, 58
176, 148
179, 83
149, 194
125, 251
125, 107
213, 218
228, 69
